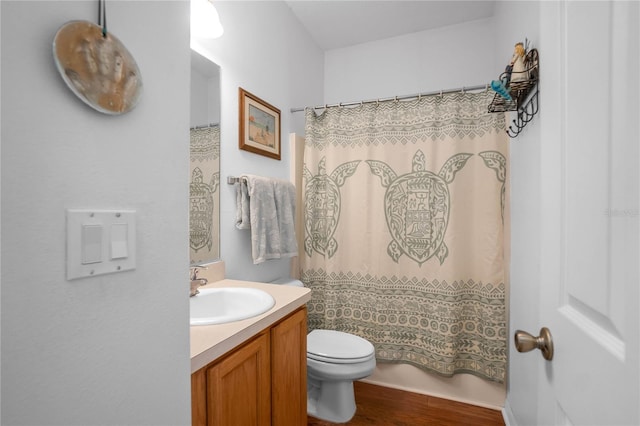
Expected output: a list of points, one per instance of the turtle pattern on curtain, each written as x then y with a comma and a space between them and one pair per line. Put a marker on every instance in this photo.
404, 206
204, 153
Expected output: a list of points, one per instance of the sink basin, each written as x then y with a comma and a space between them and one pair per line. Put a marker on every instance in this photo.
228, 304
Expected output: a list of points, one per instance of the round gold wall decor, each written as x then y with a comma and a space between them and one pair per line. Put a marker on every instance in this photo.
97, 68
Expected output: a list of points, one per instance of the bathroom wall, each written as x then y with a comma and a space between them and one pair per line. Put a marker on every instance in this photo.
449, 57
205, 95
522, 394
264, 50
113, 349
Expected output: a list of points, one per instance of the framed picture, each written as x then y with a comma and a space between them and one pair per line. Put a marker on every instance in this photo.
259, 126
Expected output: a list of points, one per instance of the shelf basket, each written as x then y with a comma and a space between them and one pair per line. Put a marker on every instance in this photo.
524, 95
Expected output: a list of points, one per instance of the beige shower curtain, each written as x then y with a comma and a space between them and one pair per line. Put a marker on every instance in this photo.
204, 210
404, 230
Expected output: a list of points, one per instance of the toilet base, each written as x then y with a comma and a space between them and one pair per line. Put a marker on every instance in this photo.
334, 401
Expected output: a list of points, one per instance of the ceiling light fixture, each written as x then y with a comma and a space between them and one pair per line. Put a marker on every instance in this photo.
205, 22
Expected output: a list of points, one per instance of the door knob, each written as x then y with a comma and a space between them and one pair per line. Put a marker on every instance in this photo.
525, 342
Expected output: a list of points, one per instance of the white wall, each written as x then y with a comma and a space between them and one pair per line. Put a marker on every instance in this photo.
112, 349
449, 57
522, 394
264, 50
205, 96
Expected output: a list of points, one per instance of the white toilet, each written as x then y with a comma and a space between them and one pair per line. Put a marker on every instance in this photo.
334, 360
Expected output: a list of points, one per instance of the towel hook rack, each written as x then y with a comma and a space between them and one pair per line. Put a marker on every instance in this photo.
522, 95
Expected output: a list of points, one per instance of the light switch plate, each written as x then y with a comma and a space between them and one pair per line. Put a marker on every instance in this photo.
119, 241
100, 242
91, 244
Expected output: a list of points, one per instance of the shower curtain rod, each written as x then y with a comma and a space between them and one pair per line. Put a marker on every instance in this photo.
204, 126
398, 98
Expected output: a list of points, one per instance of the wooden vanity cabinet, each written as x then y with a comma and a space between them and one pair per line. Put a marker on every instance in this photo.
261, 382
239, 386
289, 370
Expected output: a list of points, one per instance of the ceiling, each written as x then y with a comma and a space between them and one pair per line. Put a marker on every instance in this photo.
334, 24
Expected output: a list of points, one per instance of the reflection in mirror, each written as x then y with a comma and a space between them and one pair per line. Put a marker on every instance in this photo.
204, 187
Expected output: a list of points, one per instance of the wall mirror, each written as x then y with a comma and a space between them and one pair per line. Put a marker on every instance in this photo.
204, 185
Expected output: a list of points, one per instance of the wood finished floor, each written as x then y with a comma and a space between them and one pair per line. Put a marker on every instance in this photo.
381, 406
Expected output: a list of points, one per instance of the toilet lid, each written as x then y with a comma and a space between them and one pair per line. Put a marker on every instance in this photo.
328, 345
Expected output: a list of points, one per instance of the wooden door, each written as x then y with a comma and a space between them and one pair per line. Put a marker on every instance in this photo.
239, 386
589, 194
289, 370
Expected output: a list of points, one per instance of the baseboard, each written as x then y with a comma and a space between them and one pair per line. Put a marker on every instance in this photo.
507, 415
434, 394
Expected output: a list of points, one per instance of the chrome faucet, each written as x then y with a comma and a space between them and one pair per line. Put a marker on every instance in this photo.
195, 281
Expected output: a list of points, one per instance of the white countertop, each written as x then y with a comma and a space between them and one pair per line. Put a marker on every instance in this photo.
208, 342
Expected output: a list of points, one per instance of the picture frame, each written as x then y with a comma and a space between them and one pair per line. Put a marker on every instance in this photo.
259, 126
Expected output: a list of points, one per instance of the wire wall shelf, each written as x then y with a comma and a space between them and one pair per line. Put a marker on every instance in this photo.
521, 95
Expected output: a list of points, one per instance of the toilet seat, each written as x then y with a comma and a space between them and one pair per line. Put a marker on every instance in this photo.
330, 360
336, 347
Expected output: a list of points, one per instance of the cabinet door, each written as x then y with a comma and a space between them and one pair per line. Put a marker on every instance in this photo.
199, 398
289, 370
239, 390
